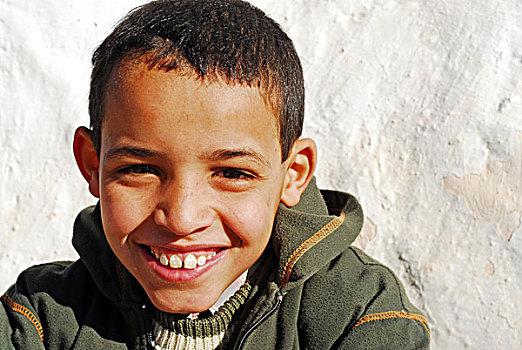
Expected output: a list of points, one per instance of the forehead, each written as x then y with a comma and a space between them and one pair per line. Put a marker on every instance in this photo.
178, 105
133, 73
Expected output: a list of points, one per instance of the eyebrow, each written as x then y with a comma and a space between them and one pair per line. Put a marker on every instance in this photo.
224, 154
129, 151
220, 154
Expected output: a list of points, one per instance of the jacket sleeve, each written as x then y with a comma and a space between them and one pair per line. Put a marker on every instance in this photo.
6, 330
388, 330
29, 312
20, 328
388, 319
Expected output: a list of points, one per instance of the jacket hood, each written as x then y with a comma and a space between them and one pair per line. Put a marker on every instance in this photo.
110, 276
305, 238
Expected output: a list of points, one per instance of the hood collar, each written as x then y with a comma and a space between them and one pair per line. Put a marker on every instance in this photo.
309, 235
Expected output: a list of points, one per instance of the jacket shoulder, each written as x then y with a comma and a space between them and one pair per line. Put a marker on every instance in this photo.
367, 303
389, 320
43, 297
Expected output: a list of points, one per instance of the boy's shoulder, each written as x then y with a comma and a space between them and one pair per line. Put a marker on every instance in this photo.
334, 294
59, 305
363, 302
78, 303
44, 296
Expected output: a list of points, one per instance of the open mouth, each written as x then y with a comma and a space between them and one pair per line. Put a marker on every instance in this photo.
189, 260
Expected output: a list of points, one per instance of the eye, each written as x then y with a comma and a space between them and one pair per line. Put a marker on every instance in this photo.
234, 174
139, 169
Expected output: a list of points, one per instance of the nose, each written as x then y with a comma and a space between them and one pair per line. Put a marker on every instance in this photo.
184, 208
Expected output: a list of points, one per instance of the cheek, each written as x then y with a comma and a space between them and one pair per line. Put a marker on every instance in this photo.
123, 210
251, 218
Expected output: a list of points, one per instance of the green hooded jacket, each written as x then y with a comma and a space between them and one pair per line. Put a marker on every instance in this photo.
311, 290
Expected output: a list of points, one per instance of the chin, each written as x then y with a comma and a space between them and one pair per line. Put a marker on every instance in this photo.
182, 302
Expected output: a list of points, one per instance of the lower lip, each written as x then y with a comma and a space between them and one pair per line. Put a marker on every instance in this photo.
181, 275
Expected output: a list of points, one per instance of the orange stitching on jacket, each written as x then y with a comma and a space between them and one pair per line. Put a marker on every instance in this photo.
394, 314
317, 237
25, 312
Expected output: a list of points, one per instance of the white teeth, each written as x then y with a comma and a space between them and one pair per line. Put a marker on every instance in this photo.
190, 261
202, 260
164, 260
175, 261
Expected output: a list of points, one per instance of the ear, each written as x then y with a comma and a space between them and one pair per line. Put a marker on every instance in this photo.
87, 159
300, 169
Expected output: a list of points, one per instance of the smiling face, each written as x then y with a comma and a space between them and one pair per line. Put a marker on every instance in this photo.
189, 175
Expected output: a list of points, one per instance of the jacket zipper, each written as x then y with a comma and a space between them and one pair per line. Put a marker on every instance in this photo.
148, 327
279, 298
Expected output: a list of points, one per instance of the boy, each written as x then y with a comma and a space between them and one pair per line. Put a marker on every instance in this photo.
209, 231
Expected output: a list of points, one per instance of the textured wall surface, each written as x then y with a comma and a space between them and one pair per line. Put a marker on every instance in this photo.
417, 109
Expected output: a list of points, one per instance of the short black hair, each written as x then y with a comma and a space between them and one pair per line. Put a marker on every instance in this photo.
229, 40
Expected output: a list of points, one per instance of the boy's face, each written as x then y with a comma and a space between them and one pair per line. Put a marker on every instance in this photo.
187, 170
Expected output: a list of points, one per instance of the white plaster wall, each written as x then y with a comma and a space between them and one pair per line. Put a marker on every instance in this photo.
417, 109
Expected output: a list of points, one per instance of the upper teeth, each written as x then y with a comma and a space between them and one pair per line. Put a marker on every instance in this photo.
175, 261
190, 261
164, 260
202, 260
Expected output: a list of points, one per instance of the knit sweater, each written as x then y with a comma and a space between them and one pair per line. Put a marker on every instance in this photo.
310, 290
171, 332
